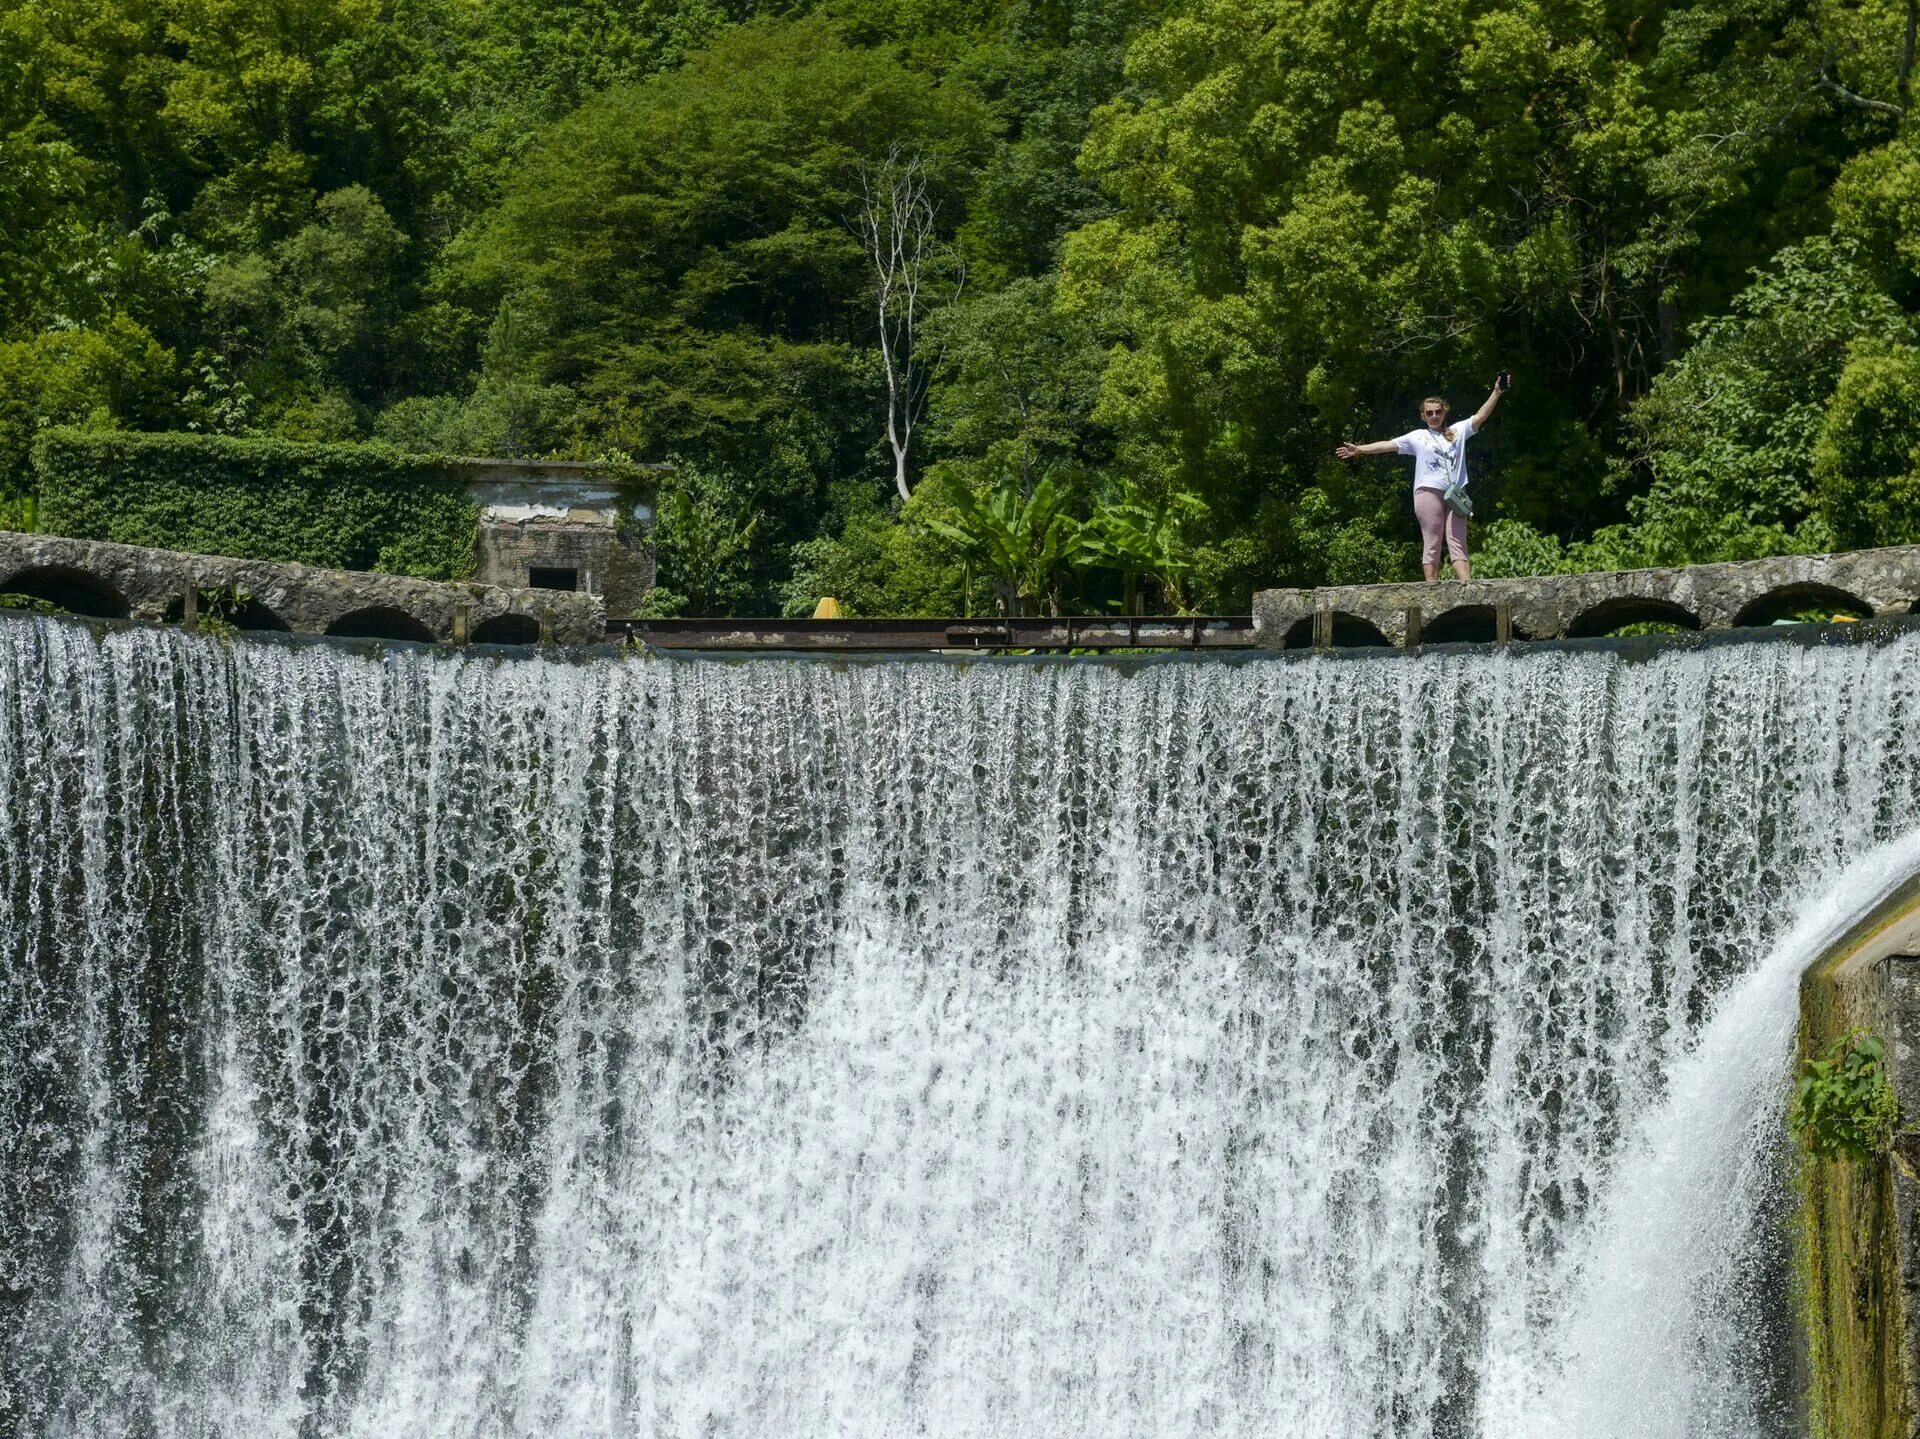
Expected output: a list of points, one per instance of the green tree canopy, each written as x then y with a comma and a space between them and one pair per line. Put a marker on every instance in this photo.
1202, 241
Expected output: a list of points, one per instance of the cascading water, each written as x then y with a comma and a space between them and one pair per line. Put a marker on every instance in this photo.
436, 1044
1679, 1216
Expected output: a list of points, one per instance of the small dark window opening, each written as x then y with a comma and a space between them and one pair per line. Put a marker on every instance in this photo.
553, 579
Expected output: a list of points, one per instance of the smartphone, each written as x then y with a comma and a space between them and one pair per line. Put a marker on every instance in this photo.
1503, 380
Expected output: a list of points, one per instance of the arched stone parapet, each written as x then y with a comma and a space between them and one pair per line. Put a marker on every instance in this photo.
1462, 624
1780, 603
1883, 581
72, 588
1336, 629
1298, 634
155, 585
1608, 616
506, 629
247, 613
381, 622
1356, 632
1876, 577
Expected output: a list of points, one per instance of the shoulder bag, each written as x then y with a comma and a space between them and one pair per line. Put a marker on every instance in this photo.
1454, 496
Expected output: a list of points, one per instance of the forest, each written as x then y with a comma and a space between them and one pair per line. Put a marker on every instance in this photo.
1064, 301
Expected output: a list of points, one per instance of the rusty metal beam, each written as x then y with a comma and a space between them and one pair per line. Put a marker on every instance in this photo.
1028, 632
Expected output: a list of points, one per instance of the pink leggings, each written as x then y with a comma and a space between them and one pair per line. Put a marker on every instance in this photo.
1435, 520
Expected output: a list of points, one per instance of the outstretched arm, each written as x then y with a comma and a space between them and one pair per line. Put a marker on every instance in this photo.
1351, 451
1485, 412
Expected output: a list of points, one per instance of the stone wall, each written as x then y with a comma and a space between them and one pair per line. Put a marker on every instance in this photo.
1860, 1222
540, 514
125, 581
511, 546
1877, 582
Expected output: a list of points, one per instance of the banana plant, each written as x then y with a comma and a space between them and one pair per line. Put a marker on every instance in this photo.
1022, 542
1147, 540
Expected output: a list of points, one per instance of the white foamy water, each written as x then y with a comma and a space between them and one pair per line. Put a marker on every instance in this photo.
440, 1045
1673, 1283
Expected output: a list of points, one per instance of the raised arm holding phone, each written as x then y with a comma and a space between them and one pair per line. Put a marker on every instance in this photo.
1439, 452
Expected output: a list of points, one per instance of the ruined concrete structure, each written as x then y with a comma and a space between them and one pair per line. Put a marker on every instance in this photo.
91, 577
559, 525
1750, 592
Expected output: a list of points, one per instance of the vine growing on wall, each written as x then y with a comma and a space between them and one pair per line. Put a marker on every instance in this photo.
339, 506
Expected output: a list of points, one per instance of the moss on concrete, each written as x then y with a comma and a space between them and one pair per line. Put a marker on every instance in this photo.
1852, 1269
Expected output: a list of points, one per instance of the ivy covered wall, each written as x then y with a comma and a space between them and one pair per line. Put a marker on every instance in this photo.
342, 506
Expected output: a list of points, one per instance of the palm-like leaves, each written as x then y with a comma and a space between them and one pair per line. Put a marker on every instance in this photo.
1026, 542
1022, 542
1146, 539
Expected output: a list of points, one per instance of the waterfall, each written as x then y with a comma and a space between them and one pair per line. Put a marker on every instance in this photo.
442, 1043
1670, 1253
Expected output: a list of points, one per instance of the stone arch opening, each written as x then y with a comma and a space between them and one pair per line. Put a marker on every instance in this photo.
1350, 632
1463, 624
507, 630
249, 614
1801, 603
1642, 614
69, 589
380, 622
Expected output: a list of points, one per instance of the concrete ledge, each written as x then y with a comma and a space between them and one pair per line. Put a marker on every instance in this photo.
1860, 1223
1879, 582
112, 581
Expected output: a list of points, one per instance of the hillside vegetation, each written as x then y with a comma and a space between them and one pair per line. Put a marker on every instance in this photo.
1163, 257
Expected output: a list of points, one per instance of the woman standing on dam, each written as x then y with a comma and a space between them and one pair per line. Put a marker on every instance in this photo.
1439, 455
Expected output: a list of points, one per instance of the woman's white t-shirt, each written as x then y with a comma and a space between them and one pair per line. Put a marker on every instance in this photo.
1437, 461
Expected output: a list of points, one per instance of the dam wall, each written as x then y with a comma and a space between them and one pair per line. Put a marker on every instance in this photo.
1860, 1240
451, 1042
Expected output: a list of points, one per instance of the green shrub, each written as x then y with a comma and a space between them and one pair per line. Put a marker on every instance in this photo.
1509, 549
342, 506
1866, 461
1844, 1106
105, 376
219, 605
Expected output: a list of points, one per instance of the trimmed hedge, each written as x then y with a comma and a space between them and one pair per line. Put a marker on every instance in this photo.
346, 507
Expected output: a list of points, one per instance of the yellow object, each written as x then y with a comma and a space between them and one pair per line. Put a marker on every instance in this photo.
1846, 619
828, 609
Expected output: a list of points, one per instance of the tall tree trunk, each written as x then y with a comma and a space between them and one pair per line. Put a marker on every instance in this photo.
896, 225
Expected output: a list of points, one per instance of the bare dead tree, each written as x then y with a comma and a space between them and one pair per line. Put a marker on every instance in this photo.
1864, 102
896, 224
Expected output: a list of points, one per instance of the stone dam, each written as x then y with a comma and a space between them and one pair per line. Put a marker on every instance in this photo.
455, 1040
120, 581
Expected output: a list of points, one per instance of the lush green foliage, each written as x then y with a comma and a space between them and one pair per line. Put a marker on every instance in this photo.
1867, 461
358, 507
217, 607
1844, 1106
1024, 543
1181, 250
1024, 540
